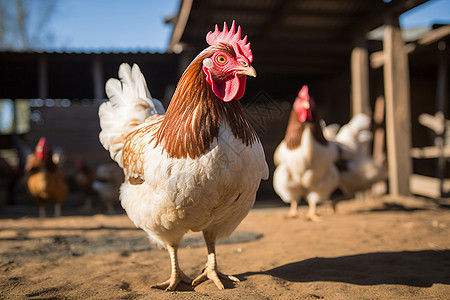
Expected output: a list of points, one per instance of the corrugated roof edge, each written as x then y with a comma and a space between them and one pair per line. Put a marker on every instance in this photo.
84, 51
412, 34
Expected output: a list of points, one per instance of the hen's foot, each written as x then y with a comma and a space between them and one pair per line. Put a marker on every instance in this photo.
313, 217
215, 276
172, 283
292, 214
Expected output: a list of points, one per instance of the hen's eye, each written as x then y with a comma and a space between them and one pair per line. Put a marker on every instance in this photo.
221, 59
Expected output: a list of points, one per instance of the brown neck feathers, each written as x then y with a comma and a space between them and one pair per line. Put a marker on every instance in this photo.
193, 118
295, 129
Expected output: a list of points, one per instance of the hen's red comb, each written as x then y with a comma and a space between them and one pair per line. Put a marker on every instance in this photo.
232, 38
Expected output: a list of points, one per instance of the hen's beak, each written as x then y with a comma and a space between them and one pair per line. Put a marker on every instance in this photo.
249, 71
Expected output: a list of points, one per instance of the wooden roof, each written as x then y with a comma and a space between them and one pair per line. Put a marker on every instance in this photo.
70, 74
310, 38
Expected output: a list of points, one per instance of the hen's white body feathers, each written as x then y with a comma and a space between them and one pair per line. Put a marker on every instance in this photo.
213, 192
307, 171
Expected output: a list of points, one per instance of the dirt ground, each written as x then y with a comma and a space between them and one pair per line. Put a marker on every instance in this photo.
378, 249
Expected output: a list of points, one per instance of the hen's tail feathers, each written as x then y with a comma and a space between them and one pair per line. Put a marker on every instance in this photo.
130, 103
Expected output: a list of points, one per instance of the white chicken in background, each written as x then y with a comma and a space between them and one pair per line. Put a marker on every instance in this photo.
359, 175
197, 167
107, 181
358, 171
305, 159
355, 136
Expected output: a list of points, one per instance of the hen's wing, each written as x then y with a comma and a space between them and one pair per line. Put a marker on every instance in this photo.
135, 145
129, 105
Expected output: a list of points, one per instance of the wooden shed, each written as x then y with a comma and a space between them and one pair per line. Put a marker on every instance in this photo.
325, 44
322, 43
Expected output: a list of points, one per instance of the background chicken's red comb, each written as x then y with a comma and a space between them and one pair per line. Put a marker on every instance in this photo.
231, 37
304, 93
42, 142
42, 148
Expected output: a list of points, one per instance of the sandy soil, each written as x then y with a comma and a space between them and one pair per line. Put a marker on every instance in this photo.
378, 249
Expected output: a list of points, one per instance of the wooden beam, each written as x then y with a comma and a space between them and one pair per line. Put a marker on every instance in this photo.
180, 25
276, 69
428, 186
377, 58
303, 47
378, 136
97, 76
360, 102
279, 12
300, 60
430, 152
441, 107
397, 96
435, 35
377, 15
43, 77
379, 188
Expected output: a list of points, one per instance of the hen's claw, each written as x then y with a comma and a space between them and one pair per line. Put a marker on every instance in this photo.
172, 283
215, 276
313, 217
176, 275
292, 214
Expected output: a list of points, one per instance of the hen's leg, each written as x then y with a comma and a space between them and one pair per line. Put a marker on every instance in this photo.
41, 211
57, 210
87, 203
109, 208
311, 214
210, 271
176, 275
313, 198
293, 211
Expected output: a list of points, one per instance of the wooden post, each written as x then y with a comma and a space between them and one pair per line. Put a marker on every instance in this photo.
379, 188
360, 82
43, 77
97, 76
397, 96
441, 106
378, 136
360, 79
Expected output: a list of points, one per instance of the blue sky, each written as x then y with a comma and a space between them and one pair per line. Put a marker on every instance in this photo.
132, 25
434, 11
112, 24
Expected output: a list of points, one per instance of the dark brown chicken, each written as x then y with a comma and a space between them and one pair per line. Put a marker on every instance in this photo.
84, 178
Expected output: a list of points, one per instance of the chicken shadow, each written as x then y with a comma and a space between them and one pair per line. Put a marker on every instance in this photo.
416, 268
396, 207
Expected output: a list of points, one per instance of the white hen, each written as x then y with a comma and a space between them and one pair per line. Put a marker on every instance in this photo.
358, 170
197, 167
305, 159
